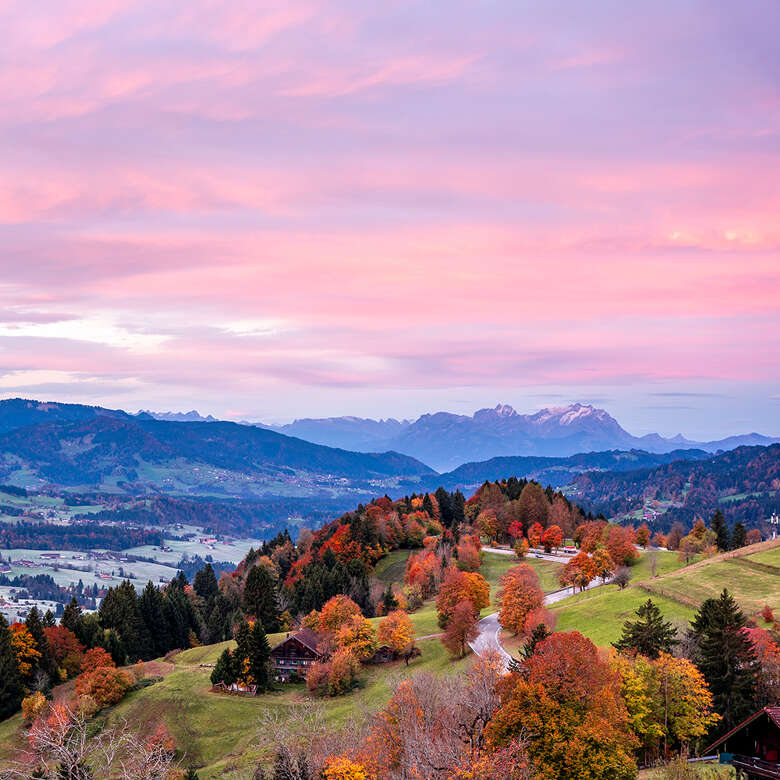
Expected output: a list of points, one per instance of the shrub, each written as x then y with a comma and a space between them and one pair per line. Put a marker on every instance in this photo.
317, 678
33, 706
767, 614
106, 685
344, 668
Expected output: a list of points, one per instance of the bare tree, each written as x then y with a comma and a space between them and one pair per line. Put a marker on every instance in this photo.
62, 746
622, 577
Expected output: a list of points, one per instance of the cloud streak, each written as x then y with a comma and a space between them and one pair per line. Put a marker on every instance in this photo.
253, 205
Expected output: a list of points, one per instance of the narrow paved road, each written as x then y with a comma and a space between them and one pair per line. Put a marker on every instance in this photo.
489, 639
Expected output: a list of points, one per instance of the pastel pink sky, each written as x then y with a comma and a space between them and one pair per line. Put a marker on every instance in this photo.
311, 208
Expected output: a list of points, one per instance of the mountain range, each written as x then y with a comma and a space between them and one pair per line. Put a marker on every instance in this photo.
91, 448
444, 440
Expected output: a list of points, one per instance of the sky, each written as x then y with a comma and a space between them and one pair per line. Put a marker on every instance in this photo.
383, 209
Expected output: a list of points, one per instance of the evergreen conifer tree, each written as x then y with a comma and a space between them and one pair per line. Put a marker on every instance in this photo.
225, 669
389, 601
726, 658
739, 535
35, 627
259, 657
71, 616
243, 649
650, 635
721, 530
205, 583
10, 683
120, 610
151, 605
260, 600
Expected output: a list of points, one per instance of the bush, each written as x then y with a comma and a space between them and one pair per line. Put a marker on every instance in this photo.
767, 614
33, 706
106, 685
317, 678
344, 668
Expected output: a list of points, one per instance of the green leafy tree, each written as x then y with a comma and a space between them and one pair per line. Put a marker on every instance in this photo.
260, 600
726, 657
650, 635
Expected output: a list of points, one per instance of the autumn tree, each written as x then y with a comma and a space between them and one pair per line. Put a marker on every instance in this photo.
518, 595
568, 702
534, 506
396, 631
488, 525
686, 700
535, 534
650, 635
461, 586
344, 669
753, 536
578, 572
105, 685
66, 650
552, 537
767, 654
461, 629
27, 655
336, 612
620, 545
603, 563
358, 636
643, 535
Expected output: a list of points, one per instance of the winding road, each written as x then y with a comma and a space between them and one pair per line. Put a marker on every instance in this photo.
489, 639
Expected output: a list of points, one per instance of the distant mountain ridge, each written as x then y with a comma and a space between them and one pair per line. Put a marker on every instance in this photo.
444, 440
92, 448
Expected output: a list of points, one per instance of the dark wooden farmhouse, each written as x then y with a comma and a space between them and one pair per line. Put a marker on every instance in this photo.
753, 747
294, 655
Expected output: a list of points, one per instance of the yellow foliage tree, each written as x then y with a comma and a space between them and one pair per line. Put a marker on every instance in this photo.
27, 655
396, 631
357, 635
341, 768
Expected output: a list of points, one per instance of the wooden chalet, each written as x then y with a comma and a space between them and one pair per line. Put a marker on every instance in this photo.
753, 747
295, 654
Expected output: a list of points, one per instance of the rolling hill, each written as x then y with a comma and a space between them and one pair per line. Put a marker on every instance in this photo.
88, 448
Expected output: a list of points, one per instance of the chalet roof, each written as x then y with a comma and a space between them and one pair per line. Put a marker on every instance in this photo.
305, 636
773, 713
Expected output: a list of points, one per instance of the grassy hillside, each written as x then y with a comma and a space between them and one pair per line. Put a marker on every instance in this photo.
223, 733
751, 574
678, 590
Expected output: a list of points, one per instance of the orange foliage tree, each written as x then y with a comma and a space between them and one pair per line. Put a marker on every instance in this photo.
396, 631
461, 586
620, 544
336, 612
66, 650
552, 537
423, 570
578, 572
105, 685
342, 768
535, 534
518, 595
603, 563
95, 658
568, 702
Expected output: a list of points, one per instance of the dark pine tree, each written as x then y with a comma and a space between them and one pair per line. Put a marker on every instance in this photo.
738, 536
10, 683
225, 670
539, 634
260, 601
152, 608
120, 610
726, 658
243, 648
35, 627
721, 530
205, 583
71, 616
389, 601
649, 635
259, 657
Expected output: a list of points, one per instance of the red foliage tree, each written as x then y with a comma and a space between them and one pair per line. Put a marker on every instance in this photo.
461, 586
552, 537
461, 629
